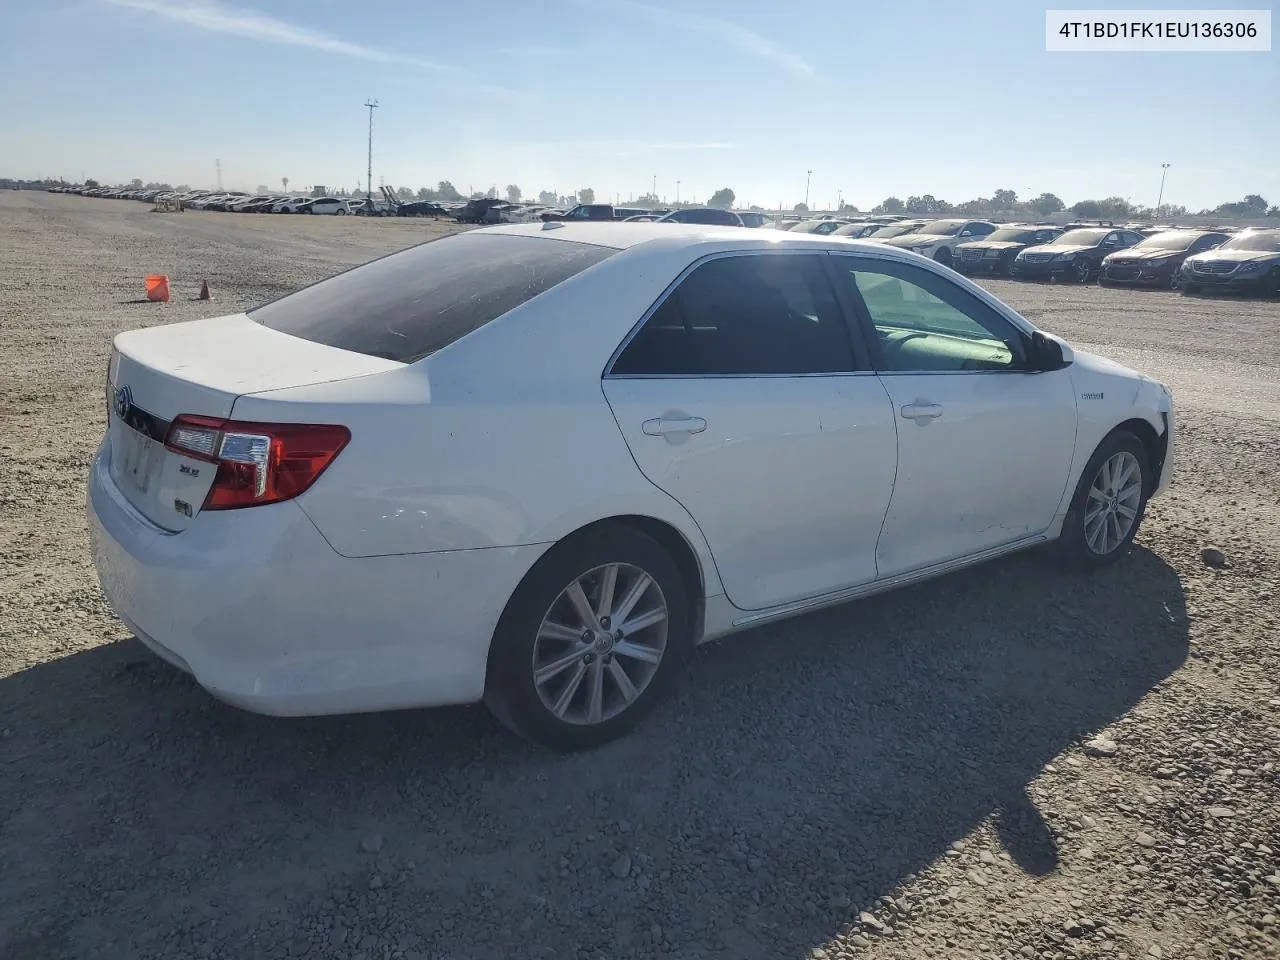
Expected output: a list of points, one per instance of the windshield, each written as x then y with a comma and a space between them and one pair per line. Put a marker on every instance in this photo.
894, 231
410, 304
1080, 238
1254, 241
943, 228
1011, 235
1173, 240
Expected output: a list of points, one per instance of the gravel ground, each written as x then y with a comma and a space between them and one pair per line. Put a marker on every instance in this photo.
1008, 762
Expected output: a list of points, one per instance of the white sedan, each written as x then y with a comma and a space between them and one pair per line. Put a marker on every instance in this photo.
534, 465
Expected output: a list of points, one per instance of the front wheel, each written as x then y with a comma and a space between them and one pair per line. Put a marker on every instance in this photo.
1189, 288
1271, 284
1109, 502
589, 640
340, 212
1081, 271
943, 257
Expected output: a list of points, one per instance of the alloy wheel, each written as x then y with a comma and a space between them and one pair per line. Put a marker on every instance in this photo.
1111, 508
600, 643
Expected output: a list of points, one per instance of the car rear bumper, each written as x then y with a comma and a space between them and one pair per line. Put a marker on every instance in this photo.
264, 614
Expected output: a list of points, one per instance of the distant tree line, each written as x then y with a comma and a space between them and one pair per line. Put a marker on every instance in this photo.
1006, 203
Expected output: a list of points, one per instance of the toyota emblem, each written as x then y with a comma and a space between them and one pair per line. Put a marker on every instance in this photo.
123, 402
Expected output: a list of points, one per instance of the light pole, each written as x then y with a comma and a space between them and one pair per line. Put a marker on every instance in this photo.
368, 184
808, 176
1164, 171
677, 193
839, 200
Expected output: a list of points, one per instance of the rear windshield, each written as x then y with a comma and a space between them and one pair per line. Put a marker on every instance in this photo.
413, 303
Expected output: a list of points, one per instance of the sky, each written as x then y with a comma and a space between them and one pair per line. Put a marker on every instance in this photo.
875, 97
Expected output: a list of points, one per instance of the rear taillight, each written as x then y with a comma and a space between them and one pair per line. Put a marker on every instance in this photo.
257, 462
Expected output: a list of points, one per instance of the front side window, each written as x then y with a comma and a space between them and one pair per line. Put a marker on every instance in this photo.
741, 316
925, 323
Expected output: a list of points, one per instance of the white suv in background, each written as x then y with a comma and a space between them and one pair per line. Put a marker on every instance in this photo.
938, 240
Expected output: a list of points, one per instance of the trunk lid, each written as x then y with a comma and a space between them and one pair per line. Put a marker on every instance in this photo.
200, 368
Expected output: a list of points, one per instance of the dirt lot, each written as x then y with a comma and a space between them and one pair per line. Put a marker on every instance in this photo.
901, 777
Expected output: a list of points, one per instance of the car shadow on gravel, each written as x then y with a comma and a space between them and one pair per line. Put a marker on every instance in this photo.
799, 774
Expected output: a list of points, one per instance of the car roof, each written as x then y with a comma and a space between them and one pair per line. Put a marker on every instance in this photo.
669, 237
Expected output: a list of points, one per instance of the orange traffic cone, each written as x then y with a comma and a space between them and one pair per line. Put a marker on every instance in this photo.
204, 291
158, 288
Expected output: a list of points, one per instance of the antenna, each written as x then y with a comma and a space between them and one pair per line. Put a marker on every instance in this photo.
372, 105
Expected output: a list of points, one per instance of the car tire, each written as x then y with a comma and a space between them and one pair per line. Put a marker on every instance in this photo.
1189, 288
541, 631
943, 256
1109, 503
1175, 280
340, 212
1081, 271
1271, 283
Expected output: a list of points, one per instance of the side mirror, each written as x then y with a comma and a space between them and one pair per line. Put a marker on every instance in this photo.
1047, 353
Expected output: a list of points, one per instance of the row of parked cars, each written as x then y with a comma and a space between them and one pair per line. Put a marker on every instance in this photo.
237, 202
1187, 259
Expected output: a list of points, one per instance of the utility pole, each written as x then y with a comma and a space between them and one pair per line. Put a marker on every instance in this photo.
1164, 171
217, 165
372, 105
839, 200
677, 193
655, 188
808, 177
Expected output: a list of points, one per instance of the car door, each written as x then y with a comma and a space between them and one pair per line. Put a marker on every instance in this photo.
743, 397
984, 444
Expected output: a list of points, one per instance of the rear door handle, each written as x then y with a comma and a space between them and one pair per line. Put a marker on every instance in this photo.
666, 426
922, 412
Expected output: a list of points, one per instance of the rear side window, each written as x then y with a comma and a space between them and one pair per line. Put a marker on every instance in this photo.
413, 303
745, 316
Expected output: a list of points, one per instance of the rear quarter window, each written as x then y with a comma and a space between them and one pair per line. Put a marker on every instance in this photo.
410, 304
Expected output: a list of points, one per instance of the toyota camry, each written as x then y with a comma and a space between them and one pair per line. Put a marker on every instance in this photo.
535, 464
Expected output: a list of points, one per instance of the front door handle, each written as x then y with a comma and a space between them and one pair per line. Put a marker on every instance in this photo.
922, 412
666, 426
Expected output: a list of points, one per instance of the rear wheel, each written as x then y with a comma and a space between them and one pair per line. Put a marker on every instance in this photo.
1081, 271
1108, 504
589, 640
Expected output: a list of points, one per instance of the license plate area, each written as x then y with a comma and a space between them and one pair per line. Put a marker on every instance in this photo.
136, 459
